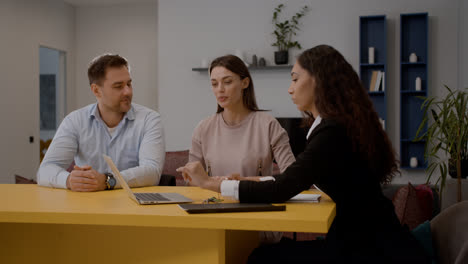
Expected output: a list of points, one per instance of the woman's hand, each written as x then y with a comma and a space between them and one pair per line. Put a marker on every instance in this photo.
194, 173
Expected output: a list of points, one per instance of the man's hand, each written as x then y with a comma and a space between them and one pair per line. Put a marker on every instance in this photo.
85, 179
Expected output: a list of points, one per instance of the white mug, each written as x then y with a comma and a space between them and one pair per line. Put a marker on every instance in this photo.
418, 84
371, 55
413, 162
413, 57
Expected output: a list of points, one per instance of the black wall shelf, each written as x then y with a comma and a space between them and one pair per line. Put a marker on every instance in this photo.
373, 33
414, 31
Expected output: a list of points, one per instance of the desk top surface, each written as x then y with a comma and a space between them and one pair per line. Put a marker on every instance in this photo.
28, 203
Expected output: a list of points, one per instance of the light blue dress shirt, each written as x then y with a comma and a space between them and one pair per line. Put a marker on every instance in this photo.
136, 146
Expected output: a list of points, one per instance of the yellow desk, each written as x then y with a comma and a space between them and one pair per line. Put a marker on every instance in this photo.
44, 225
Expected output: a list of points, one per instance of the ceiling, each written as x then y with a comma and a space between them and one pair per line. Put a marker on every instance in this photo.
106, 2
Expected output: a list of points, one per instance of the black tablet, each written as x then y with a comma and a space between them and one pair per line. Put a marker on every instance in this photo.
230, 207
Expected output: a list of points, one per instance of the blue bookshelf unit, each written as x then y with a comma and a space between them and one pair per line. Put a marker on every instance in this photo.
414, 31
373, 33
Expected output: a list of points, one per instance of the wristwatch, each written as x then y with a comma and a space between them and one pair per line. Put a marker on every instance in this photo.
110, 181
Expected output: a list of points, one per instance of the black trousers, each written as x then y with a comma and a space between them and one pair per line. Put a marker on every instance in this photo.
318, 251
289, 251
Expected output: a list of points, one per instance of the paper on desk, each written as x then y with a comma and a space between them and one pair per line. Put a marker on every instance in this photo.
305, 198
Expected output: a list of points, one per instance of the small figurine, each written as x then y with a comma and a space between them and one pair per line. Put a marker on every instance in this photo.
254, 60
262, 62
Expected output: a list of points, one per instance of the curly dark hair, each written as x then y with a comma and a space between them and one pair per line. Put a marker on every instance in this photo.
98, 68
237, 66
340, 95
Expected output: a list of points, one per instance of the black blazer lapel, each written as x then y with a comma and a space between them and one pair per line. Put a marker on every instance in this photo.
316, 130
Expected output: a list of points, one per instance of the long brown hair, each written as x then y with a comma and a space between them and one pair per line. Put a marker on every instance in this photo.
340, 95
237, 66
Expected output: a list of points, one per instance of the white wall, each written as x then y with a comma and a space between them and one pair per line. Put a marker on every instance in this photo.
128, 30
463, 44
24, 26
191, 30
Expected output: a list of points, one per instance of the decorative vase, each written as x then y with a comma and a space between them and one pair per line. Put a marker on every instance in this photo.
281, 57
413, 162
418, 84
413, 57
254, 60
453, 168
371, 55
262, 62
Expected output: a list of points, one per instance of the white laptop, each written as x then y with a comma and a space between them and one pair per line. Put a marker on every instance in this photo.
146, 198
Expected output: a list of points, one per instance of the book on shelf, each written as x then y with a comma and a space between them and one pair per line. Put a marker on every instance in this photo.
373, 80
383, 82
378, 81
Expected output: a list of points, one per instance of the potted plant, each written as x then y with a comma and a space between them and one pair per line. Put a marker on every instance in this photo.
447, 135
284, 32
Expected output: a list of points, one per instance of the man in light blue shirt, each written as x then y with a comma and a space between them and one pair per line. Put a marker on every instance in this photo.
131, 134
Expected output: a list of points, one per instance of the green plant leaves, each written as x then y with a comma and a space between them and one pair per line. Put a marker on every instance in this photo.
284, 31
447, 133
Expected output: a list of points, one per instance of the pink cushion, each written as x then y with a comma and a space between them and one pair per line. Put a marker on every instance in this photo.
22, 180
276, 169
426, 200
71, 167
413, 205
174, 160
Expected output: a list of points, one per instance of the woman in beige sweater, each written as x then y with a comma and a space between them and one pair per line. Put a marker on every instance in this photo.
239, 138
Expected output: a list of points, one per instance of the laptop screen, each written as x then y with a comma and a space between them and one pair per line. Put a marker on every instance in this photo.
119, 177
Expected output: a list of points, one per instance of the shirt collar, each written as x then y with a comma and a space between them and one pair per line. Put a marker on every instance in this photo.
317, 121
130, 115
94, 112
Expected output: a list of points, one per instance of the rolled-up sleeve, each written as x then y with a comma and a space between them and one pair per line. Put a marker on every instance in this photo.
280, 146
196, 151
151, 155
59, 156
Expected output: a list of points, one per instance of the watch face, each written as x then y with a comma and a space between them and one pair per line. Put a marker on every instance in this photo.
112, 181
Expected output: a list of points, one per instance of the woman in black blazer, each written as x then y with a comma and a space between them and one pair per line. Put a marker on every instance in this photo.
348, 155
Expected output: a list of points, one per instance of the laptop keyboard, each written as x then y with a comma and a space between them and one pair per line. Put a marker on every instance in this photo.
151, 197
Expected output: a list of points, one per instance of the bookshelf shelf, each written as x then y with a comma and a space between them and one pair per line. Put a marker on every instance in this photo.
419, 167
376, 65
413, 63
377, 93
257, 68
414, 30
373, 33
413, 92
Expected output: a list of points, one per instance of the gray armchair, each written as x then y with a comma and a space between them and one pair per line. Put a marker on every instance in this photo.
450, 234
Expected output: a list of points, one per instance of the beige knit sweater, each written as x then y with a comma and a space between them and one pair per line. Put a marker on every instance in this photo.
247, 148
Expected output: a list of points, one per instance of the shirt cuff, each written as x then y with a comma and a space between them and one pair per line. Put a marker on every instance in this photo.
267, 178
230, 188
62, 179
